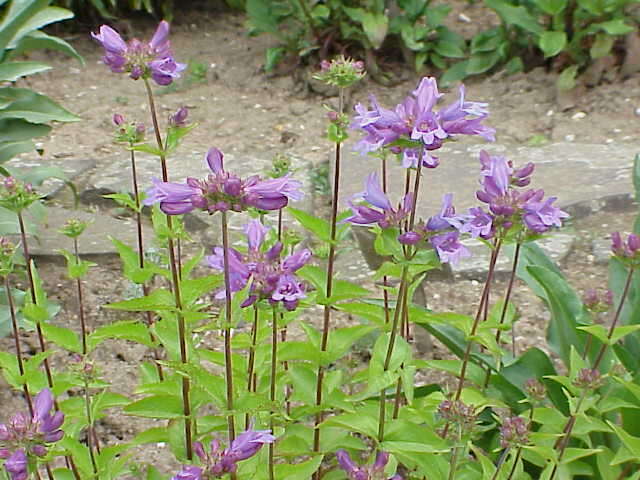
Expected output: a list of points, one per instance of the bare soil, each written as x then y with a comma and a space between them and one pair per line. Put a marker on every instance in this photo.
241, 110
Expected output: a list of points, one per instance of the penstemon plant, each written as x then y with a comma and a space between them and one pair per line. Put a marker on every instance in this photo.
263, 403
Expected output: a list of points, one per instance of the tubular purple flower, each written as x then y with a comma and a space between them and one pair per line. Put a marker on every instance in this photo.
247, 444
179, 119
447, 216
289, 290
174, 198
256, 233
449, 248
541, 215
409, 238
165, 70
17, 465
374, 194
160, 40
345, 462
238, 272
381, 461
478, 223
296, 261
215, 160
189, 472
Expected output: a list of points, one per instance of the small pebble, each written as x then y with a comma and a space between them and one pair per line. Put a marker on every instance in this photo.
578, 115
638, 111
550, 113
608, 140
570, 138
463, 18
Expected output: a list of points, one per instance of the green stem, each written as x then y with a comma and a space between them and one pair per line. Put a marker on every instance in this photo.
90, 428
252, 358
175, 277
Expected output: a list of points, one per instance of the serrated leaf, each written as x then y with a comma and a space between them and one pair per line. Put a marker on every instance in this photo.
156, 406
63, 337
131, 330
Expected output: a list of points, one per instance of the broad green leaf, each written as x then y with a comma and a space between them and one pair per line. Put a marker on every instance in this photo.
515, 16
273, 55
615, 27
15, 16
601, 46
449, 50
156, 406
38, 40
552, 7
456, 72
551, 43
32, 107
12, 71
157, 300
359, 422
9, 150
567, 79
63, 337
42, 18
131, 330
481, 62
298, 471
318, 226
375, 26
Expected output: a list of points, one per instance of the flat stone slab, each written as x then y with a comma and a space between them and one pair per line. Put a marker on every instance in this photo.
71, 167
95, 241
572, 172
557, 246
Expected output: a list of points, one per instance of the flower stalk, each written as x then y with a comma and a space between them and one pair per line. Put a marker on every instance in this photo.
228, 365
272, 389
175, 276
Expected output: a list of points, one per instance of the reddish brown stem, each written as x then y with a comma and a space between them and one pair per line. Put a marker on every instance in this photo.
228, 364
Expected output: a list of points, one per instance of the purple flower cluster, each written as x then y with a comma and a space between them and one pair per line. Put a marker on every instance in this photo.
272, 278
508, 206
383, 214
372, 472
414, 120
218, 462
140, 59
26, 435
223, 191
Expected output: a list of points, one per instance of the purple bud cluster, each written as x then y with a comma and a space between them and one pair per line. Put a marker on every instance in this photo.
128, 132
514, 432
369, 472
26, 435
16, 195
218, 462
223, 191
179, 118
535, 389
628, 250
458, 414
272, 278
340, 72
415, 121
588, 379
597, 302
140, 59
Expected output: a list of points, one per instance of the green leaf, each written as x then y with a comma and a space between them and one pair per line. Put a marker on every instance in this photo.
9, 150
615, 27
567, 79
15, 17
273, 55
318, 226
32, 107
552, 7
156, 406
11, 71
450, 50
375, 26
157, 300
63, 337
298, 471
515, 16
261, 17
131, 330
131, 263
76, 268
456, 72
38, 40
481, 62
552, 43
42, 18
601, 46
359, 422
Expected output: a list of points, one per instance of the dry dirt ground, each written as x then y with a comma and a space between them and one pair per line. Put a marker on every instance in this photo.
243, 111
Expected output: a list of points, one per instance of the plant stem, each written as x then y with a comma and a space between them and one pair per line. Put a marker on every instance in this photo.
90, 429
563, 442
228, 364
252, 358
327, 308
175, 276
27, 259
283, 332
503, 313
16, 337
145, 286
83, 323
453, 463
385, 279
272, 390
476, 321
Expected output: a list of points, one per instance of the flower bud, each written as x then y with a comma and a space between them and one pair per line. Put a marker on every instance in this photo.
588, 379
514, 432
409, 238
535, 389
179, 119
118, 119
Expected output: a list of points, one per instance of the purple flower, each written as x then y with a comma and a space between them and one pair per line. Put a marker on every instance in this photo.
179, 119
478, 223
449, 248
271, 277
357, 472
540, 215
223, 191
218, 462
409, 238
383, 214
415, 120
447, 216
626, 249
17, 465
188, 472
141, 60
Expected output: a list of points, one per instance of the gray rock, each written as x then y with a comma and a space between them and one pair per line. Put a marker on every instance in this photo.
556, 245
573, 172
601, 250
71, 168
95, 241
